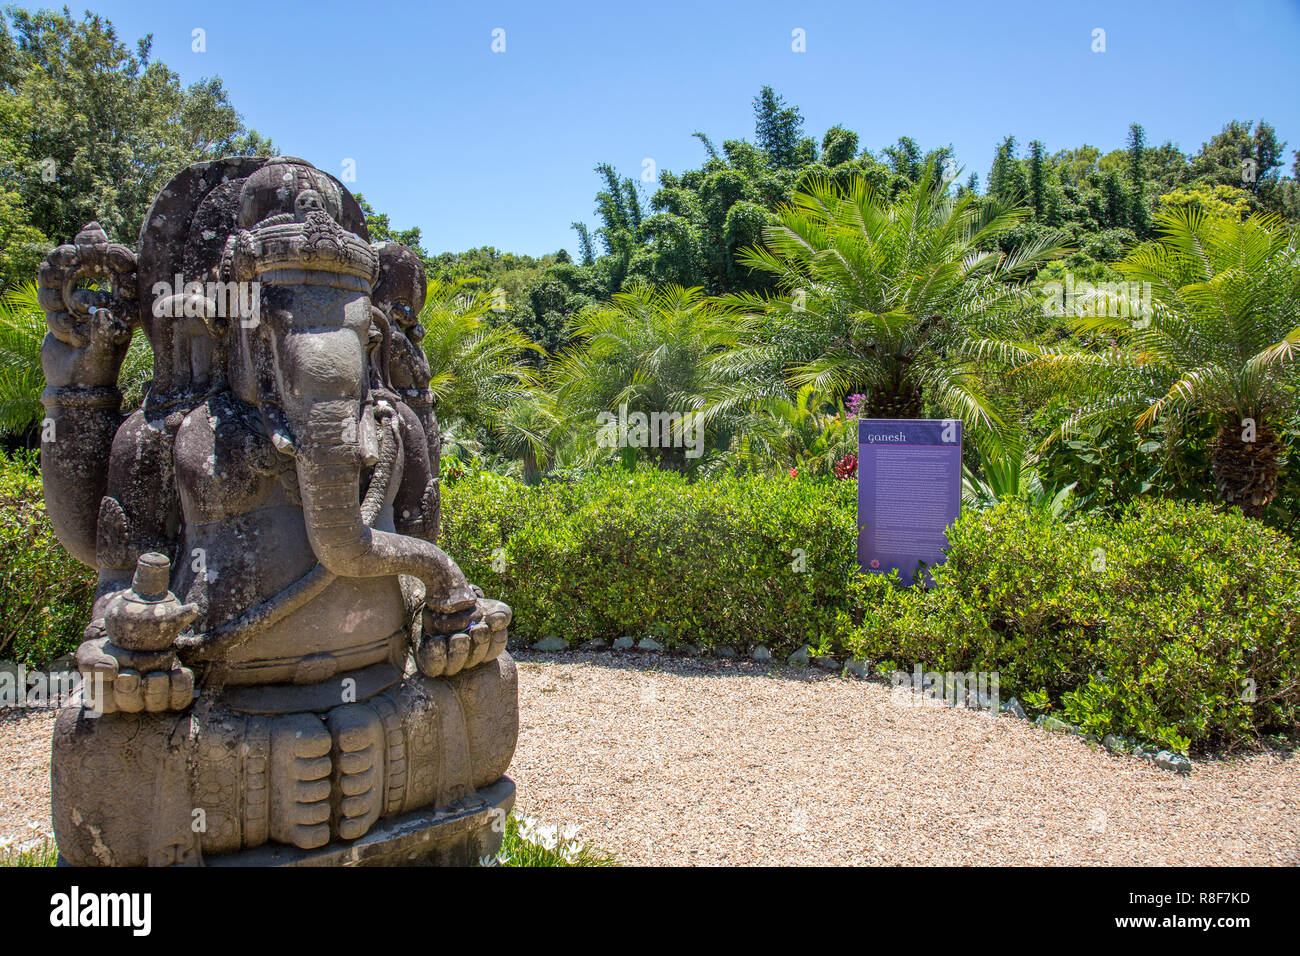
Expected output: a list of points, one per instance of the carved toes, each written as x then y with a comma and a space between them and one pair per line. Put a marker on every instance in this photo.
358, 769
300, 781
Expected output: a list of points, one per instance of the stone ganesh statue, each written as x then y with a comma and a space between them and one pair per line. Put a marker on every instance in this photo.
282, 665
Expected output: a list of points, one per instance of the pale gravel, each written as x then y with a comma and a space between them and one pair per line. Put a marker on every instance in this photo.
664, 760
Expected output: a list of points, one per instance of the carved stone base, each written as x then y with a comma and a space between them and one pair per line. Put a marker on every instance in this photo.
193, 786
448, 837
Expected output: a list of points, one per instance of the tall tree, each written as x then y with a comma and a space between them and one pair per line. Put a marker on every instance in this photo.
1137, 178
1037, 179
778, 128
90, 129
898, 300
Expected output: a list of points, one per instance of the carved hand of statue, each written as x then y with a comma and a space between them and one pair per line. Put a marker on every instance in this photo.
128, 658
457, 642
120, 680
90, 329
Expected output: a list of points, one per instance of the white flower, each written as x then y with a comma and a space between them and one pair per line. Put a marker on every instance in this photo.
549, 836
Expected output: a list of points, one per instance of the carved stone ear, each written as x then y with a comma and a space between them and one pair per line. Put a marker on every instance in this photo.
113, 537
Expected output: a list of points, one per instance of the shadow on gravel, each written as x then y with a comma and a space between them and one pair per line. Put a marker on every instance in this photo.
650, 661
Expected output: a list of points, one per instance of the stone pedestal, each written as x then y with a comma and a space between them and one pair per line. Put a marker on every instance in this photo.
448, 837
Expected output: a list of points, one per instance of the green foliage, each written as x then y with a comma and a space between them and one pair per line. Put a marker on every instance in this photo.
1012, 472
804, 433
44, 853
1175, 624
652, 351
903, 300
1110, 463
530, 843
476, 367
90, 130
45, 594
648, 554
1217, 339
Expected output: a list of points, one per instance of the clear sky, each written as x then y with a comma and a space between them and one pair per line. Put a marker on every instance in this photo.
484, 148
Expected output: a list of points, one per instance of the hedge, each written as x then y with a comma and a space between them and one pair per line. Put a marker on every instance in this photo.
1174, 623
45, 593
730, 561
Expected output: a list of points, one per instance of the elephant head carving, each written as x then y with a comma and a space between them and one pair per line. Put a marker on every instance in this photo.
303, 359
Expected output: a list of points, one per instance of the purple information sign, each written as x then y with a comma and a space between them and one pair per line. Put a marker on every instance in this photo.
909, 492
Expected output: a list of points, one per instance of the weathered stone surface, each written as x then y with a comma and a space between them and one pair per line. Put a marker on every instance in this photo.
649, 644
827, 663
761, 653
725, 651
550, 643
1056, 725
857, 667
595, 644
623, 643
277, 640
1168, 760
1014, 708
799, 658
429, 837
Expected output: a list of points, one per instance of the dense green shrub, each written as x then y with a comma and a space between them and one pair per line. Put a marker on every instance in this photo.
1174, 624
736, 561
45, 593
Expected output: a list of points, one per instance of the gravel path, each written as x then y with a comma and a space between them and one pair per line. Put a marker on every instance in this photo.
672, 761
677, 761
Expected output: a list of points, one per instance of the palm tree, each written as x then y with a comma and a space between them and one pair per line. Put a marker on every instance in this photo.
529, 430
650, 350
800, 432
22, 330
476, 367
904, 301
1217, 337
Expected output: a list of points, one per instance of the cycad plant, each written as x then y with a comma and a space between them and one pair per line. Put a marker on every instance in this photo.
805, 433
476, 366
22, 328
1011, 471
652, 351
1217, 335
906, 301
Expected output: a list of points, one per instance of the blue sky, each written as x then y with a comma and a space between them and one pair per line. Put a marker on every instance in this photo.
483, 148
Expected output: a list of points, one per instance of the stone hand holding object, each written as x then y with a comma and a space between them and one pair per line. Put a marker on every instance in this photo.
456, 642
133, 667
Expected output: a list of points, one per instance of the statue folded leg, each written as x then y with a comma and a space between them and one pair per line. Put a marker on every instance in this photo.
210, 780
